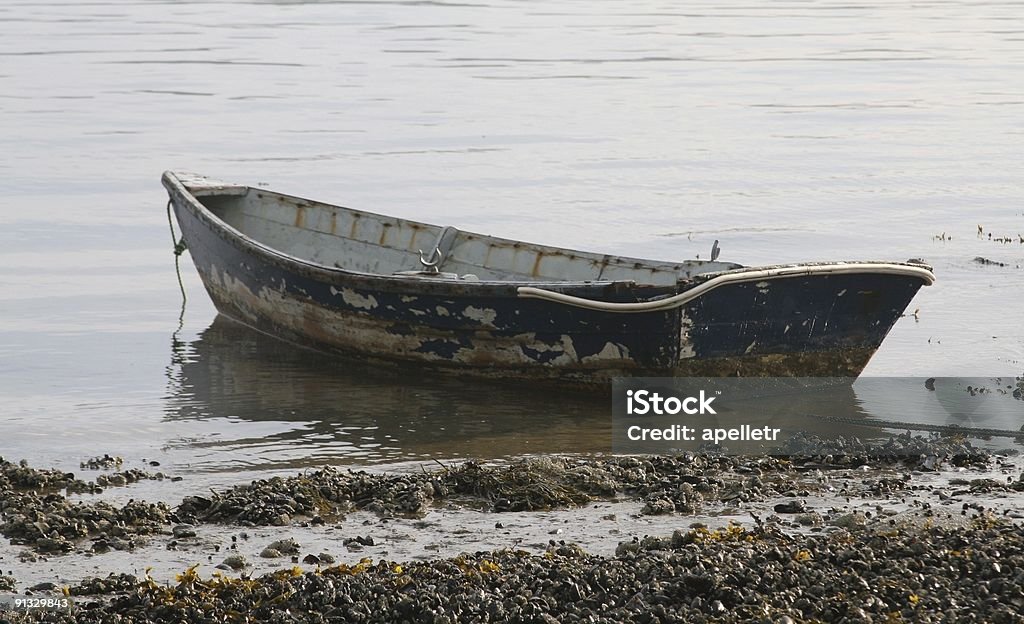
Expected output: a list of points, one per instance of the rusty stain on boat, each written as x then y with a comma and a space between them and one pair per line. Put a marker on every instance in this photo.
536, 264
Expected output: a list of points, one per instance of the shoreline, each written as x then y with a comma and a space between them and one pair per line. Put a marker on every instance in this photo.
528, 513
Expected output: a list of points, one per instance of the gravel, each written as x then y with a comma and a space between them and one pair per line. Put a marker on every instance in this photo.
35, 508
804, 563
36, 513
666, 484
973, 573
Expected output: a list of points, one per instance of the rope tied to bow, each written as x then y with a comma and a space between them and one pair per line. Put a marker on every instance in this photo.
178, 248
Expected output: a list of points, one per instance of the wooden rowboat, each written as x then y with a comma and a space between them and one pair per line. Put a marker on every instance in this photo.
366, 285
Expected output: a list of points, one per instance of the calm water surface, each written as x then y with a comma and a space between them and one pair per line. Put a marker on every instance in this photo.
790, 131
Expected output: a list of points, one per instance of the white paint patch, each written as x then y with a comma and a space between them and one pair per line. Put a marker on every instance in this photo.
610, 351
443, 311
685, 345
841, 293
245, 299
481, 315
354, 299
565, 348
354, 331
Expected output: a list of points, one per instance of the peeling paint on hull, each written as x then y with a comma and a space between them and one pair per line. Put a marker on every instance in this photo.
800, 326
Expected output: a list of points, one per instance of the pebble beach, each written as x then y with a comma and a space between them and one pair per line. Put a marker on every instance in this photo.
916, 529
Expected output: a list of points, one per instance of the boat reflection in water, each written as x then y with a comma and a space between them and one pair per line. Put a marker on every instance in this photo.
285, 406
267, 404
980, 403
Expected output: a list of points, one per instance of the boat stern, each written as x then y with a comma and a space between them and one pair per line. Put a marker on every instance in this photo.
822, 320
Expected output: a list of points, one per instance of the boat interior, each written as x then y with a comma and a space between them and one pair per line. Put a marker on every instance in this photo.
370, 243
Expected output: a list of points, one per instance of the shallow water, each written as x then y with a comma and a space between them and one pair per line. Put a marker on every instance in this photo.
789, 131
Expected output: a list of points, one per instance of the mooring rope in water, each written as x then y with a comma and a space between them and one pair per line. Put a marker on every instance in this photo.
179, 248
972, 432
